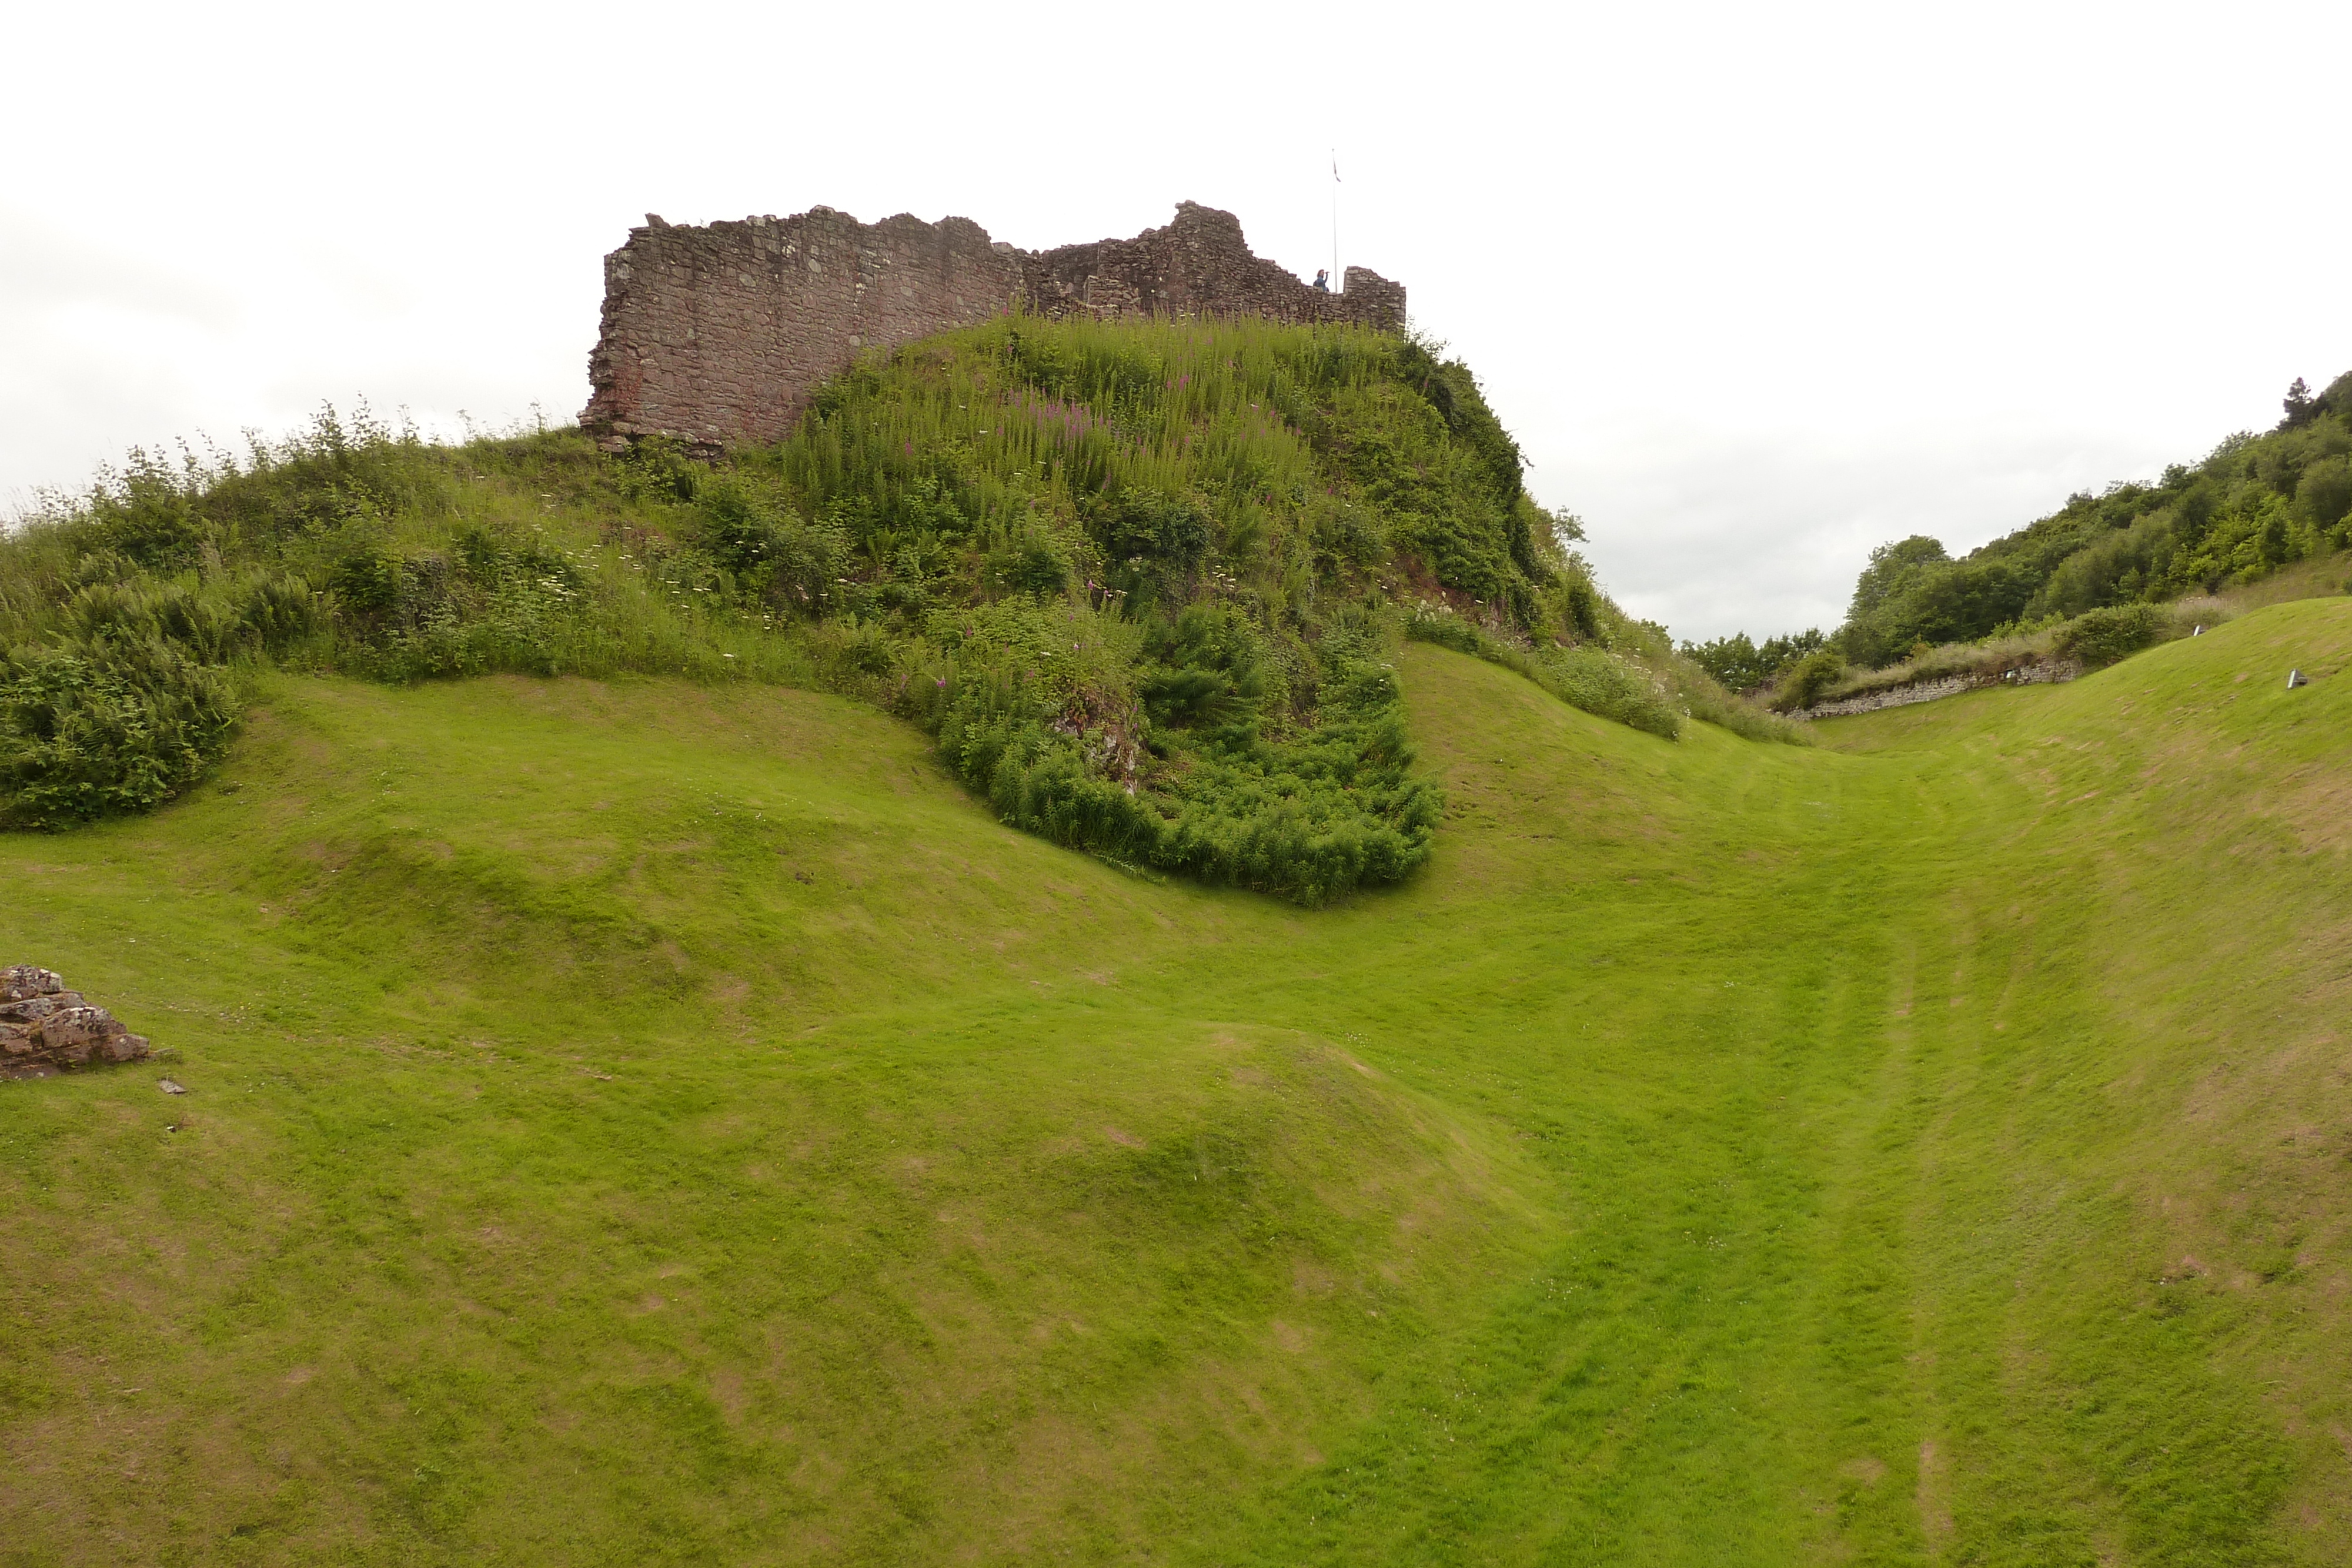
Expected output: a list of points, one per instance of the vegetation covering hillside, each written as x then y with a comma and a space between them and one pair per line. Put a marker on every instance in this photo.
648, 1121
2259, 503
1142, 583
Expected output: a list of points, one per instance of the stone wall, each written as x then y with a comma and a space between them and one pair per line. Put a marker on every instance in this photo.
2039, 673
718, 335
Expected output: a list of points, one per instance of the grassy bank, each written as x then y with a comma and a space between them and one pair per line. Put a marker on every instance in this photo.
642, 1121
1140, 580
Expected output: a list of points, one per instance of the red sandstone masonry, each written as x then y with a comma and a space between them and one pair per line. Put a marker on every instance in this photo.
717, 336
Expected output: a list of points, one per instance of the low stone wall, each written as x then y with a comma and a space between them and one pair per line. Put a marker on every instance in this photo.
2039, 673
716, 336
45, 1028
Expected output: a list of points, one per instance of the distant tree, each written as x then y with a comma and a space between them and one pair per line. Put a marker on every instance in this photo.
2337, 398
1731, 660
1743, 665
1892, 568
1889, 565
1778, 653
2325, 496
2298, 405
1954, 601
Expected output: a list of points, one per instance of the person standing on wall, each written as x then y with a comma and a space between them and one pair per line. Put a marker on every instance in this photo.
1323, 279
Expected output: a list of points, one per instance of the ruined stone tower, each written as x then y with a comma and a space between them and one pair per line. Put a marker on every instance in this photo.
717, 336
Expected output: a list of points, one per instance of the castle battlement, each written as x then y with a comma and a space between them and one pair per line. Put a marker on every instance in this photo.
718, 335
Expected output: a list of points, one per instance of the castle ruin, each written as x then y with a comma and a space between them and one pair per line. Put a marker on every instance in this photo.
717, 336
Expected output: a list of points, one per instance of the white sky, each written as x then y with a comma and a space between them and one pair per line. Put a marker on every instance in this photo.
1756, 287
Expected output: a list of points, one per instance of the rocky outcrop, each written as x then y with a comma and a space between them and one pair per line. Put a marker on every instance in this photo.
45, 1027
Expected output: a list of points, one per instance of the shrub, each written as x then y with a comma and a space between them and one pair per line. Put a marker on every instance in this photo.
368, 580
1146, 526
1209, 669
1055, 749
2323, 498
1031, 562
280, 612
95, 730
1807, 678
2102, 636
146, 514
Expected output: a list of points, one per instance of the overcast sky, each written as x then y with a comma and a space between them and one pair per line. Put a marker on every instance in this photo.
1757, 287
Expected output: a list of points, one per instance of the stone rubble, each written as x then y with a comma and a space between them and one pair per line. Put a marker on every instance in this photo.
45, 1027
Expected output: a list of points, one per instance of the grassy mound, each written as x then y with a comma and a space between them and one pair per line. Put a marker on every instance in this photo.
637, 1120
1142, 581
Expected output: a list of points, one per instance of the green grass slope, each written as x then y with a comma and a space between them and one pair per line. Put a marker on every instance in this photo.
641, 1123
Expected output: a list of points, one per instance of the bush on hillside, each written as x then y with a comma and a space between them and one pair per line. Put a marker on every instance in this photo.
2100, 637
1808, 680
103, 728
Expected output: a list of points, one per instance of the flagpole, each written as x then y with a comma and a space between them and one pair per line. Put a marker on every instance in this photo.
1337, 285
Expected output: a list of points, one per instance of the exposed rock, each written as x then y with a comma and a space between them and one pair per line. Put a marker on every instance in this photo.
45, 1027
169, 1087
22, 980
32, 1010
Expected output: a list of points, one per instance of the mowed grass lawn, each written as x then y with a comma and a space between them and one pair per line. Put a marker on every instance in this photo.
640, 1123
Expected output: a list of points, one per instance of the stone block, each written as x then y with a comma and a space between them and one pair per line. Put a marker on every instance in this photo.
33, 1009
22, 980
70, 1028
